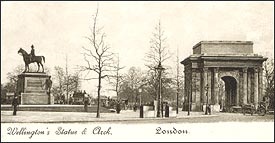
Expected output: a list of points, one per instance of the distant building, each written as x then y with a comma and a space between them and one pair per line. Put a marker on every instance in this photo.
9, 97
3, 95
78, 98
114, 97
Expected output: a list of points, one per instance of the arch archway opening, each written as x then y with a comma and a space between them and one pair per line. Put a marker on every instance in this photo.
230, 92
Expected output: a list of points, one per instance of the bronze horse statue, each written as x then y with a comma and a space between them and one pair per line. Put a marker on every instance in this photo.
27, 59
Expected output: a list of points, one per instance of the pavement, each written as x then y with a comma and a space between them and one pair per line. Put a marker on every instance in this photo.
55, 108
127, 126
67, 117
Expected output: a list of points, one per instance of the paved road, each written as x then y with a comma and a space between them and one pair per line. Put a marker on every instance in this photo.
126, 117
128, 127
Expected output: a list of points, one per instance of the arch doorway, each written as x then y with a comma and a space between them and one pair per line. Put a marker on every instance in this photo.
230, 92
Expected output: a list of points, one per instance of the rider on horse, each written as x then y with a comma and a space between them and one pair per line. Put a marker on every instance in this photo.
31, 58
32, 53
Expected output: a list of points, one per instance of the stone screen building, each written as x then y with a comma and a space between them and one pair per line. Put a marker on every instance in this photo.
227, 73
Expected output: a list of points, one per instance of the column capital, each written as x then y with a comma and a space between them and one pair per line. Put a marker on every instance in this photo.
244, 69
256, 69
205, 69
216, 69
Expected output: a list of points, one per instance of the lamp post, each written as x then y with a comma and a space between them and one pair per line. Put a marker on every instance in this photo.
139, 91
159, 98
136, 98
219, 87
222, 96
206, 107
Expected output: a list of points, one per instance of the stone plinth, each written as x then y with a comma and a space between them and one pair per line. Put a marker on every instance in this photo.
34, 98
33, 88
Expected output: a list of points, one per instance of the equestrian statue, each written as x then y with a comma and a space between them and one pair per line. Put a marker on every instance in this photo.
31, 58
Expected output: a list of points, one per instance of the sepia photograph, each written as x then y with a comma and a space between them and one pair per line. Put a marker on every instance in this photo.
155, 71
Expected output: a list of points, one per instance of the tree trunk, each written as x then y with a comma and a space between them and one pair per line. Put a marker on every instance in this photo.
177, 109
98, 95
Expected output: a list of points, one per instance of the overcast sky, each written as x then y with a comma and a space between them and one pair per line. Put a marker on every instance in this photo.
59, 28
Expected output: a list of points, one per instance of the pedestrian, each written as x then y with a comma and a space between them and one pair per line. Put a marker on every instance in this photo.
118, 107
266, 101
86, 102
90, 101
209, 109
15, 104
166, 110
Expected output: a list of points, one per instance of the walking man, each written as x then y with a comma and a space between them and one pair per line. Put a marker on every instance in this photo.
86, 100
14, 104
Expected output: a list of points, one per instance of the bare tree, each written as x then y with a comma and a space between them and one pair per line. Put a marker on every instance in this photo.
10, 86
75, 80
158, 52
72, 84
133, 80
98, 53
269, 80
117, 78
179, 83
67, 79
156, 56
59, 78
13, 76
64, 82
152, 83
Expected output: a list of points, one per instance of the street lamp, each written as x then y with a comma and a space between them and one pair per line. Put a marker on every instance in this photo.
222, 96
220, 85
206, 107
159, 98
139, 91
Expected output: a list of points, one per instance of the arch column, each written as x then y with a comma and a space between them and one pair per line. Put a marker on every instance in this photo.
256, 87
249, 87
238, 89
244, 85
260, 84
222, 92
216, 87
209, 82
205, 74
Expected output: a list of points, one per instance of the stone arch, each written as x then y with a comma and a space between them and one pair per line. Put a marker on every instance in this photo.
217, 59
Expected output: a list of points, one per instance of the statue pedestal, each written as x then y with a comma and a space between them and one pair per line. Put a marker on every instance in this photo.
33, 89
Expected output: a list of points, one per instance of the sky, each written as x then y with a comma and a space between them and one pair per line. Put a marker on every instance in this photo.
57, 29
